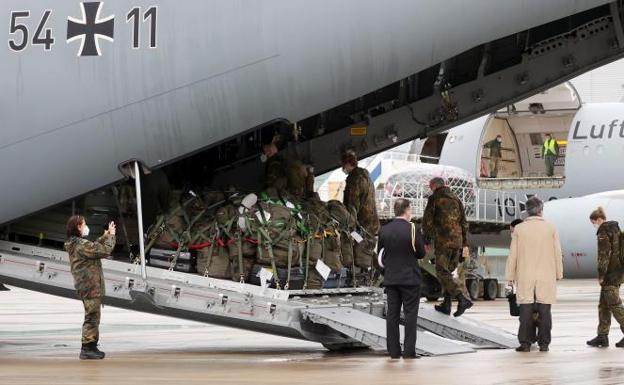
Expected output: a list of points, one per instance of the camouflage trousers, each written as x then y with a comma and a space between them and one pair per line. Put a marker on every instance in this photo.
446, 261
91, 325
610, 303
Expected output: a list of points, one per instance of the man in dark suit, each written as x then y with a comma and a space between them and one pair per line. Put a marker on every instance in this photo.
402, 243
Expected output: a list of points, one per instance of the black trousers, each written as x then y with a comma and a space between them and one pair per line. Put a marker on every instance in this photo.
409, 298
528, 324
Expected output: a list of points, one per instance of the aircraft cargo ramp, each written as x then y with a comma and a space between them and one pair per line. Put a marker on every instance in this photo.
337, 318
371, 330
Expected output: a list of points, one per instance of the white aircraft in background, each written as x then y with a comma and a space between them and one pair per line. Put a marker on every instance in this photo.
578, 236
591, 141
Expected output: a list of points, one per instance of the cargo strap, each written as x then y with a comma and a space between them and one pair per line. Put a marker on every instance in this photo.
239, 245
266, 235
290, 251
350, 238
307, 263
269, 245
210, 253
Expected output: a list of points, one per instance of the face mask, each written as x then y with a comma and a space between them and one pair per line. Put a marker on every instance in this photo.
597, 226
85, 231
499, 140
345, 171
263, 158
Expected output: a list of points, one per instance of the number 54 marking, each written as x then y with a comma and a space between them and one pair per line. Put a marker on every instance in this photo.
21, 33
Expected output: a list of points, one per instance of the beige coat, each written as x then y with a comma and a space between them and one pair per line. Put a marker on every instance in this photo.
535, 261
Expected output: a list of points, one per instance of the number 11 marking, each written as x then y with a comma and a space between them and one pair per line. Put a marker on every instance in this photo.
135, 16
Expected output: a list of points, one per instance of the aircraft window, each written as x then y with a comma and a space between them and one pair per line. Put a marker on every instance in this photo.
586, 150
536, 140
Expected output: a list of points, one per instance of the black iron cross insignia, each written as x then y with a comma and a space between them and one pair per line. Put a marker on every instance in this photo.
90, 29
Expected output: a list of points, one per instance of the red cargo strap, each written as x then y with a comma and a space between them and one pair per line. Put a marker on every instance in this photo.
197, 246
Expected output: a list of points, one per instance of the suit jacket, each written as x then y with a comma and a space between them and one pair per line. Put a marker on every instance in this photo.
399, 259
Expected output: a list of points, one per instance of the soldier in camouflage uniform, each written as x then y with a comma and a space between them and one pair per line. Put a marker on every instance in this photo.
86, 268
610, 276
284, 173
359, 198
445, 225
359, 194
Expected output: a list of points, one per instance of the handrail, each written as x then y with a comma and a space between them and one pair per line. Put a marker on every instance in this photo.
481, 205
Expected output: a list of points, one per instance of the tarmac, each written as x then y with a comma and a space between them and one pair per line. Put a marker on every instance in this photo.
39, 344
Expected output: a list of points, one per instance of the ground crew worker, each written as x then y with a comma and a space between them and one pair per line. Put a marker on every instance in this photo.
86, 268
444, 224
284, 173
551, 151
402, 246
610, 277
359, 194
494, 146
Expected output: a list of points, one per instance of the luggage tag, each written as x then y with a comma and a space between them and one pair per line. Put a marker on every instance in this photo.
323, 269
265, 277
259, 215
356, 236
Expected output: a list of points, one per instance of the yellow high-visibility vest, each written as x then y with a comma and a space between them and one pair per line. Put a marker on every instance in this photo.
549, 145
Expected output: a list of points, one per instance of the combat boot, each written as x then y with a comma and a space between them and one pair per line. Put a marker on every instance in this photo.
620, 344
91, 352
445, 306
463, 304
601, 341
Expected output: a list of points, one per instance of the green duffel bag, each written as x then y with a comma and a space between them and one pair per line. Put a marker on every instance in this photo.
316, 249
248, 245
248, 264
346, 249
212, 197
364, 253
226, 214
280, 253
331, 253
314, 279
341, 214
316, 214
174, 227
214, 262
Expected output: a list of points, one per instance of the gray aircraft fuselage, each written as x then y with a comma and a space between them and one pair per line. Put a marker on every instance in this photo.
87, 86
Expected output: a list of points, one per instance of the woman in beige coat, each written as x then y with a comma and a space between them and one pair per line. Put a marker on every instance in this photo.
534, 266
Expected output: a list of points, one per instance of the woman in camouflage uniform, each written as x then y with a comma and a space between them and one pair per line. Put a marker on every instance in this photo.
86, 268
610, 274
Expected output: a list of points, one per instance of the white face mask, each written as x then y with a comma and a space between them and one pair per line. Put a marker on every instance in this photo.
85, 231
345, 171
597, 226
499, 140
263, 158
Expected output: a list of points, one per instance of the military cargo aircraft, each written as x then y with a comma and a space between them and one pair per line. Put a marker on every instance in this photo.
197, 86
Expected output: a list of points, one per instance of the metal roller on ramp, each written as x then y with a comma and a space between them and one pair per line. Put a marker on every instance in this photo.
464, 329
371, 331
